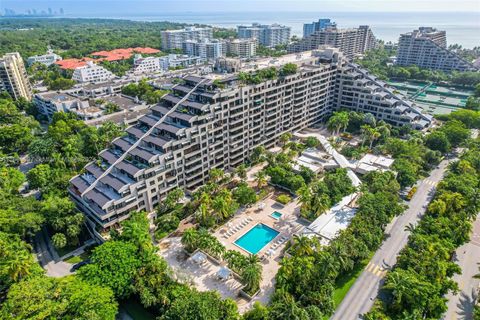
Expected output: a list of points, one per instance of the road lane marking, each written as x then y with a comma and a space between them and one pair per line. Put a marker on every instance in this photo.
430, 182
376, 270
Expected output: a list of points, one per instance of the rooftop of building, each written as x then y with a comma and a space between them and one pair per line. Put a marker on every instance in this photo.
56, 96
112, 55
423, 31
299, 58
188, 29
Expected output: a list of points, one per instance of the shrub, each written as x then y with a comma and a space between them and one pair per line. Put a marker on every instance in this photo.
166, 224
284, 199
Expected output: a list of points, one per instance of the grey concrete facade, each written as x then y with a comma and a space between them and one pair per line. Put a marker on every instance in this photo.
427, 48
200, 126
350, 41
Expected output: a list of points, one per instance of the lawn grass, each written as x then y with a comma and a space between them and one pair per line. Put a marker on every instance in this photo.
77, 259
346, 281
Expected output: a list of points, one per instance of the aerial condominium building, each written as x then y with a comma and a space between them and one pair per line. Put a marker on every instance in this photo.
427, 48
13, 76
242, 48
267, 35
215, 121
174, 39
321, 24
205, 49
351, 42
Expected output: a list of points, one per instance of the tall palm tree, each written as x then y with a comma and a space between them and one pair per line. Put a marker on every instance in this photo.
320, 204
241, 171
302, 246
285, 137
221, 208
261, 179
338, 121
367, 133
204, 215
375, 134
251, 277
190, 239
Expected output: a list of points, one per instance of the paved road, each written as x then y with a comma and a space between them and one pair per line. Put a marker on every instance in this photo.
361, 296
48, 258
460, 306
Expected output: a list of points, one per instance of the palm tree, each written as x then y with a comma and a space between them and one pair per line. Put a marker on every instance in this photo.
216, 175
203, 215
221, 208
285, 137
216, 249
367, 133
302, 246
338, 121
374, 136
190, 239
261, 179
305, 197
252, 275
241, 171
321, 203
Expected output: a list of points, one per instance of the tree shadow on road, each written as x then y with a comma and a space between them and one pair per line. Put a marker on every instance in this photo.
466, 305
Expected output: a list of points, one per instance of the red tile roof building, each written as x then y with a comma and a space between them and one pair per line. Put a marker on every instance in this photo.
113, 55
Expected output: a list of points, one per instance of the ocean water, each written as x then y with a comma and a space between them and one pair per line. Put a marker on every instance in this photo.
462, 27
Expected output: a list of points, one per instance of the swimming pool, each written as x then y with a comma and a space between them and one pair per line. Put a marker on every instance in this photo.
256, 238
276, 215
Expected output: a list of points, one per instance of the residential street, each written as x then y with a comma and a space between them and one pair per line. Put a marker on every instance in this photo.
460, 306
363, 293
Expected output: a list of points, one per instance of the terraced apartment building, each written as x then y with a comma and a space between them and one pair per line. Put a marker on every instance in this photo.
427, 48
215, 121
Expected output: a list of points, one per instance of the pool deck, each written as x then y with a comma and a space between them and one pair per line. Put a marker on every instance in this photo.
203, 277
288, 225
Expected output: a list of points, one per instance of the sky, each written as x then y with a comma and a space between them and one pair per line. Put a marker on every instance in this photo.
252, 5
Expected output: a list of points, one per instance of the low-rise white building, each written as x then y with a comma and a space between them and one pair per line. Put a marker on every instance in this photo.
47, 59
106, 107
92, 73
50, 102
179, 60
371, 162
147, 65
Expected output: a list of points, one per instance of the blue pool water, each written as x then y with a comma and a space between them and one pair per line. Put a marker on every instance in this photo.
256, 238
276, 215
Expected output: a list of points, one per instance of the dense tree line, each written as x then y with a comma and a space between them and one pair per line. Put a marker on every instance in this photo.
76, 38
26, 291
306, 281
60, 152
377, 61
417, 285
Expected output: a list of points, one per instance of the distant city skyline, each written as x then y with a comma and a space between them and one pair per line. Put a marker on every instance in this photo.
79, 6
